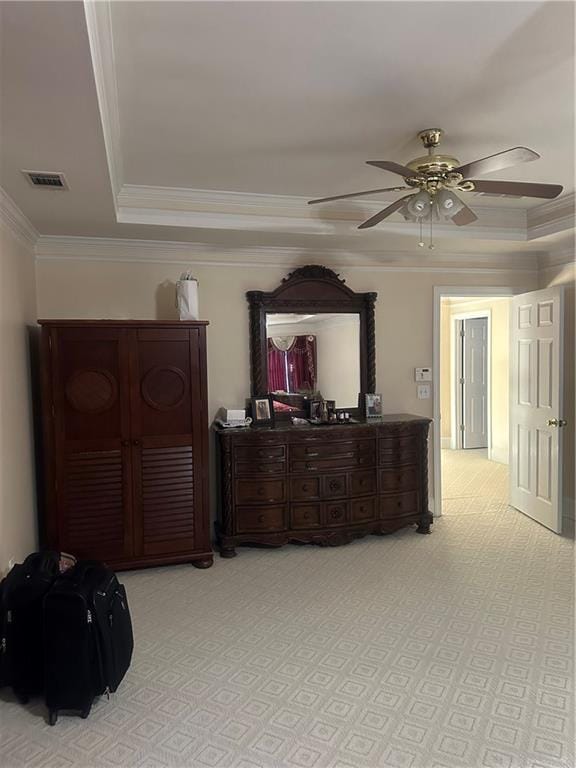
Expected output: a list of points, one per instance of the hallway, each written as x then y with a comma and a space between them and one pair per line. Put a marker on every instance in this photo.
471, 483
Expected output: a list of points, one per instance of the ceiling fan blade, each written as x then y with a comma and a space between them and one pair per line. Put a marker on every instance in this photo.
381, 215
519, 188
354, 194
388, 165
464, 216
497, 162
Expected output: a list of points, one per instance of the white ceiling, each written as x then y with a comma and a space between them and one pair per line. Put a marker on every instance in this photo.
201, 99
293, 98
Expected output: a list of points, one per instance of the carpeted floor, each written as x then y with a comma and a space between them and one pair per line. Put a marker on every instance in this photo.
472, 484
452, 650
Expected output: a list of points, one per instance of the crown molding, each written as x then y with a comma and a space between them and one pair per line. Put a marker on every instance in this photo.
101, 39
55, 248
13, 218
552, 217
219, 209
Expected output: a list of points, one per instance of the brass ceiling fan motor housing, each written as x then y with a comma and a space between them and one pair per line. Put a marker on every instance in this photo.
434, 170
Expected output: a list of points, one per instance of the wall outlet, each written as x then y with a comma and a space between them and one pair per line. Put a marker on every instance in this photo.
423, 391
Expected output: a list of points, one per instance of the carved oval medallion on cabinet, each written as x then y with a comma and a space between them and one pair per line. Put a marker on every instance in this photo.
164, 387
91, 391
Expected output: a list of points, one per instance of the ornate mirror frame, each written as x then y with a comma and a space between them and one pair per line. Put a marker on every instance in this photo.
311, 289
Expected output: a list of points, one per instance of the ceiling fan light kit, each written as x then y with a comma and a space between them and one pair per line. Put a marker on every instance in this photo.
435, 179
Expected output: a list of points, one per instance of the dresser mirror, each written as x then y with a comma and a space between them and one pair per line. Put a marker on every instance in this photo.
312, 336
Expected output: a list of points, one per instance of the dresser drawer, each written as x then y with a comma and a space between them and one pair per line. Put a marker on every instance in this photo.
336, 513
363, 482
334, 486
305, 515
260, 491
401, 479
260, 467
264, 452
399, 504
401, 450
302, 488
363, 509
351, 461
249, 519
329, 450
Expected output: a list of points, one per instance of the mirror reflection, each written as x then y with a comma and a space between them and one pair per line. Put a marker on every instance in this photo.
312, 354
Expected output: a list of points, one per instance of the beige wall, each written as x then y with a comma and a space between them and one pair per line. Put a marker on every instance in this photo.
499, 341
566, 276
17, 480
99, 289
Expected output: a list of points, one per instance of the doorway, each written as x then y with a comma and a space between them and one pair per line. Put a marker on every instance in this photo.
474, 366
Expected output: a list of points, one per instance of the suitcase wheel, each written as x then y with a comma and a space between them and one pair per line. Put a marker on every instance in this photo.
23, 698
53, 716
85, 712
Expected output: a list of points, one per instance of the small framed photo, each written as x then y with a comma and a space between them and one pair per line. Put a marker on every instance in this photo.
262, 411
314, 409
373, 406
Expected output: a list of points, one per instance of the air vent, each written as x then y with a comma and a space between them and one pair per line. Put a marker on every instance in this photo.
46, 180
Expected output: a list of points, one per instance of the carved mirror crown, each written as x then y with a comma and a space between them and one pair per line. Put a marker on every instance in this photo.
311, 289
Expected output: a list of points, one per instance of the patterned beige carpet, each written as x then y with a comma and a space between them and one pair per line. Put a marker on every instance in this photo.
472, 484
446, 651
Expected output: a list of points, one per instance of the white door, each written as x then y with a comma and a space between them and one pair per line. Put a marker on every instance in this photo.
475, 382
536, 330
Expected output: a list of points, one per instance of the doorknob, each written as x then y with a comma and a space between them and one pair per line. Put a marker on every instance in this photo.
557, 422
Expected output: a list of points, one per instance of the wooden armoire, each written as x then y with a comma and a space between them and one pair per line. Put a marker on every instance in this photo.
125, 428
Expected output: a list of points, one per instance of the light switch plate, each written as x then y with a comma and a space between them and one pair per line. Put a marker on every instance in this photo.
423, 391
423, 374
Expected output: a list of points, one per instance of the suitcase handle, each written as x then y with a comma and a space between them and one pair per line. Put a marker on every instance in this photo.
79, 571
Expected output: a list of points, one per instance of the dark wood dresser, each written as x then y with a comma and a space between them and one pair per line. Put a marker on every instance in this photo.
126, 441
322, 484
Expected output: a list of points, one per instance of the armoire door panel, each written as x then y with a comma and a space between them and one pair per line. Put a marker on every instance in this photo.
90, 383
94, 489
165, 382
165, 497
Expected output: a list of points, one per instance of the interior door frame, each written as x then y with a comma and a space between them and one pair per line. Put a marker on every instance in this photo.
442, 292
456, 402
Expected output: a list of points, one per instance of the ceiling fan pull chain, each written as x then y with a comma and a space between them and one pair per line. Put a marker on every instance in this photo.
431, 246
421, 243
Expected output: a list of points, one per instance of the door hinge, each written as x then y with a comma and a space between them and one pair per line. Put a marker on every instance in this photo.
462, 428
462, 381
462, 332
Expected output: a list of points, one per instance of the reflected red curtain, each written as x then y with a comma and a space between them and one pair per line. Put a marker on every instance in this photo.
276, 369
300, 359
302, 364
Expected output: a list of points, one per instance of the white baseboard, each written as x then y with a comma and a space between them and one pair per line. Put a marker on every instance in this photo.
499, 456
446, 442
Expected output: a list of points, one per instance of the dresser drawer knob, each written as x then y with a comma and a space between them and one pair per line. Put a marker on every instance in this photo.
335, 514
335, 485
398, 504
311, 466
261, 518
261, 491
306, 515
305, 487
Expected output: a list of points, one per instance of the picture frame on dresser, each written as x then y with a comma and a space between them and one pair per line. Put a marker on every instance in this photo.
262, 409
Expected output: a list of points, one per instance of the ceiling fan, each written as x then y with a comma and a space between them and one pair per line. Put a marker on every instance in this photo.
435, 178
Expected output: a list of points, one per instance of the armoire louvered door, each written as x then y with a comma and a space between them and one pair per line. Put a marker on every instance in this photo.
166, 401
126, 433
93, 482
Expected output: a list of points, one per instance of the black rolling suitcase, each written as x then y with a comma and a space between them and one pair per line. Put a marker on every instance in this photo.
88, 638
21, 596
